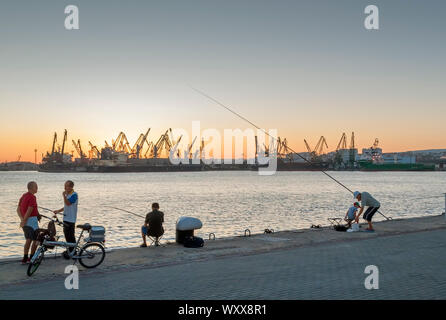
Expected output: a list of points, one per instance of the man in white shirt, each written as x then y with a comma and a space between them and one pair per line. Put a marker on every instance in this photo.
69, 210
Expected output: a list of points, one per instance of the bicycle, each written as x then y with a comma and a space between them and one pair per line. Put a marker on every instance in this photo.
86, 253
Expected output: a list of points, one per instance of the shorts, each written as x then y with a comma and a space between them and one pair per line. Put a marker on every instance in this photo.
152, 232
30, 233
368, 214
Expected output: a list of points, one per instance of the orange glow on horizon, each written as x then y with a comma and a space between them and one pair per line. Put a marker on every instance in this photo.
11, 149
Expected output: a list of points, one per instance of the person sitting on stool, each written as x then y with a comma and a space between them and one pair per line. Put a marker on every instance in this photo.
153, 226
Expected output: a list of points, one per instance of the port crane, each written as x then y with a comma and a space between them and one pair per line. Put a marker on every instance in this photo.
63, 142
162, 143
121, 144
375, 153
200, 151
352, 141
188, 153
77, 146
54, 143
56, 154
282, 149
318, 150
139, 144
173, 145
342, 143
94, 151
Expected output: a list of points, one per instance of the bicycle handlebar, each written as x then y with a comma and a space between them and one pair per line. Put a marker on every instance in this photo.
55, 219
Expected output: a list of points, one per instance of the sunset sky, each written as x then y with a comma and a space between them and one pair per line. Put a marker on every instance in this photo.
307, 68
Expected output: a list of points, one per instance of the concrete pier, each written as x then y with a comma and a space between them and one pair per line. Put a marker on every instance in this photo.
410, 255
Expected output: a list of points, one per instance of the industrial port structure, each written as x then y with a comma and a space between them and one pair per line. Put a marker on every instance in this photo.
146, 155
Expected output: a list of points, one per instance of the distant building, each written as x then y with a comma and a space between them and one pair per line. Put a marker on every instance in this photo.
398, 158
348, 155
296, 158
373, 154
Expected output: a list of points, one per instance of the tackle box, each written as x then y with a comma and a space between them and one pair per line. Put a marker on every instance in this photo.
97, 234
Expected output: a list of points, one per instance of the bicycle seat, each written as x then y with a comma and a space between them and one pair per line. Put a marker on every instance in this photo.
85, 226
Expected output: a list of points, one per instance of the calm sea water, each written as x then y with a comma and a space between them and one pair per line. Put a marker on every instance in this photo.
226, 202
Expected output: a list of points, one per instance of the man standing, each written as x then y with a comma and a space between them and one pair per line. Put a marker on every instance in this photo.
367, 201
28, 214
69, 210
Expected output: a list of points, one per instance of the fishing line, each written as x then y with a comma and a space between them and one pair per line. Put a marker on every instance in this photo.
274, 138
135, 214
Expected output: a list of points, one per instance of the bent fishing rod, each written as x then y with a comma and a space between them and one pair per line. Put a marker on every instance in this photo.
275, 139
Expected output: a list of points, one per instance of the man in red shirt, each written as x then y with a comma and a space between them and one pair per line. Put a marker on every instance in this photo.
28, 214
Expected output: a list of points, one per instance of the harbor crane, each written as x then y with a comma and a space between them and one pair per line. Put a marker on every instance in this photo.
94, 151
139, 144
57, 152
352, 141
175, 147
121, 144
162, 143
78, 147
54, 143
188, 153
201, 151
342, 143
319, 149
282, 149
63, 142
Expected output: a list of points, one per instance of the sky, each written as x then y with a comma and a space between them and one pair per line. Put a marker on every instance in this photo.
306, 68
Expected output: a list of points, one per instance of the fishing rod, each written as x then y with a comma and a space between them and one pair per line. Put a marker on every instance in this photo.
52, 211
275, 139
135, 214
45, 209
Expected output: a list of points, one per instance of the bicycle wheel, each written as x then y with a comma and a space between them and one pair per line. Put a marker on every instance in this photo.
92, 255
35, 262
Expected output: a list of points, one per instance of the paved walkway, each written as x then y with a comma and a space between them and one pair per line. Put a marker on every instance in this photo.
411, 266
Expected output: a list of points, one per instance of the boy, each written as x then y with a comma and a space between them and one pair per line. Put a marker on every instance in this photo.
153, 225
29, 215
351, 214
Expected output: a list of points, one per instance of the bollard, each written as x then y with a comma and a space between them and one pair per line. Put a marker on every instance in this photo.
444, 206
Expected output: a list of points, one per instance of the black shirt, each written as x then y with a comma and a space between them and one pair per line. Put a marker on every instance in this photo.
155, 221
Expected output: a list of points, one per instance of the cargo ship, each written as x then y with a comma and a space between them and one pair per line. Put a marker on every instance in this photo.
365, 165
